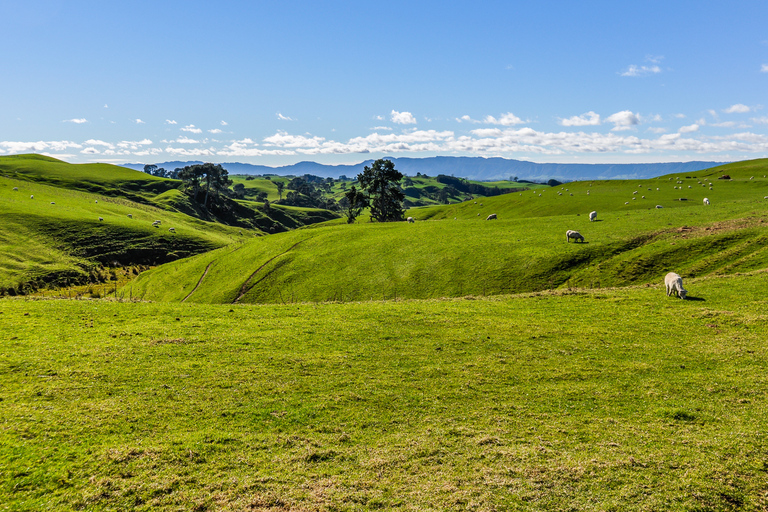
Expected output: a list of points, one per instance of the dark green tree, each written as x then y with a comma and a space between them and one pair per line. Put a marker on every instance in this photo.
353, 203
381, 183
280, 188
214, 179
150, 169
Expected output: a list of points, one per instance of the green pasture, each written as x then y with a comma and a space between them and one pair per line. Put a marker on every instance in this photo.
616, 196
612, 399
105, 179
52, 235
470, 256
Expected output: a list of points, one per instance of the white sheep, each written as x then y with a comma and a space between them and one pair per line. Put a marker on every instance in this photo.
130, 215
659, 206
16, 189
172, 230
96, 201
674, 283
101, 219
32, 196
573, 234
634, 193
491, 217
410, 219
706, 201
592, 216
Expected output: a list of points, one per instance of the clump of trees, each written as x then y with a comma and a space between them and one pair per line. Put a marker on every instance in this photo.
308, 191
381, 183
161, 172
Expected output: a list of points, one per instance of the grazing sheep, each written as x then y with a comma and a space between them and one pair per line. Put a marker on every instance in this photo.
32, 196
706, 201
96, 201
491, 217
634, 193
16, 189
592, 216
101, 219
410, 219
642, 197
130, 215
627, 202
659, 206
573, 234
674, 283
172, 230
53, 202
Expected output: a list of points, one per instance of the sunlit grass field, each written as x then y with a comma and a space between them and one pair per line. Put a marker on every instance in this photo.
613, 399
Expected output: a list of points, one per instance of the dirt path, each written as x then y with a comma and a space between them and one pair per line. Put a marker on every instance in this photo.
244, 289
198, 283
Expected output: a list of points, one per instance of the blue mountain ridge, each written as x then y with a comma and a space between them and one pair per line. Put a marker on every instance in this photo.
473, 168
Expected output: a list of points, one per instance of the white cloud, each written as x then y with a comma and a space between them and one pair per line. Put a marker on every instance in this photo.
689, 129
170, 121
764, 68
132, 145
467, 119
191, 129
402, 117
281, 117
760, 120
657, 130
215, 130
388, 128
76, 121
106, 106
623, 120
38, 147
94, 142
738, 108
224, 123
634, 70
186, 140
189, 152
588, 119
507, 119
139, 121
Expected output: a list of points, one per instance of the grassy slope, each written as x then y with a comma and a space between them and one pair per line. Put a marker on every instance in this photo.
51, 242
104, 179
523, 251
573, 401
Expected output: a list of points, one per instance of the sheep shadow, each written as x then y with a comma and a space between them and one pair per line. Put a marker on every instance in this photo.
698, 299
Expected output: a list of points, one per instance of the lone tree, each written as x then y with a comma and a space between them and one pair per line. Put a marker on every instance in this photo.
353, 203
280, 188
380, 181
214, 179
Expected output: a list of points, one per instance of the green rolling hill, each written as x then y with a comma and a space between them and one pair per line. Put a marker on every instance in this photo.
452, 251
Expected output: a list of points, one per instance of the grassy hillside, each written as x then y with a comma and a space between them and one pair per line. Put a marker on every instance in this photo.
52, 236
103, 179
525, 250
617, 399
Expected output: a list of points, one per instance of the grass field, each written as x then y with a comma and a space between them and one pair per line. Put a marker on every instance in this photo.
506, 370
452, 251
614, 399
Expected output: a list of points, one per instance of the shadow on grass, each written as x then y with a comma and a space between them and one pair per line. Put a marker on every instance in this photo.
688, 297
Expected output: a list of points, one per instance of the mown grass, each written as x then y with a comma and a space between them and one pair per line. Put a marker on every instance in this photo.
613, 399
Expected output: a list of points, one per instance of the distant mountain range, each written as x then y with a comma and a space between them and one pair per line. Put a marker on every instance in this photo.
473, 168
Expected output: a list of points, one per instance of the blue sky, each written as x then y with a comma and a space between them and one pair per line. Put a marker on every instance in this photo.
276, 83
